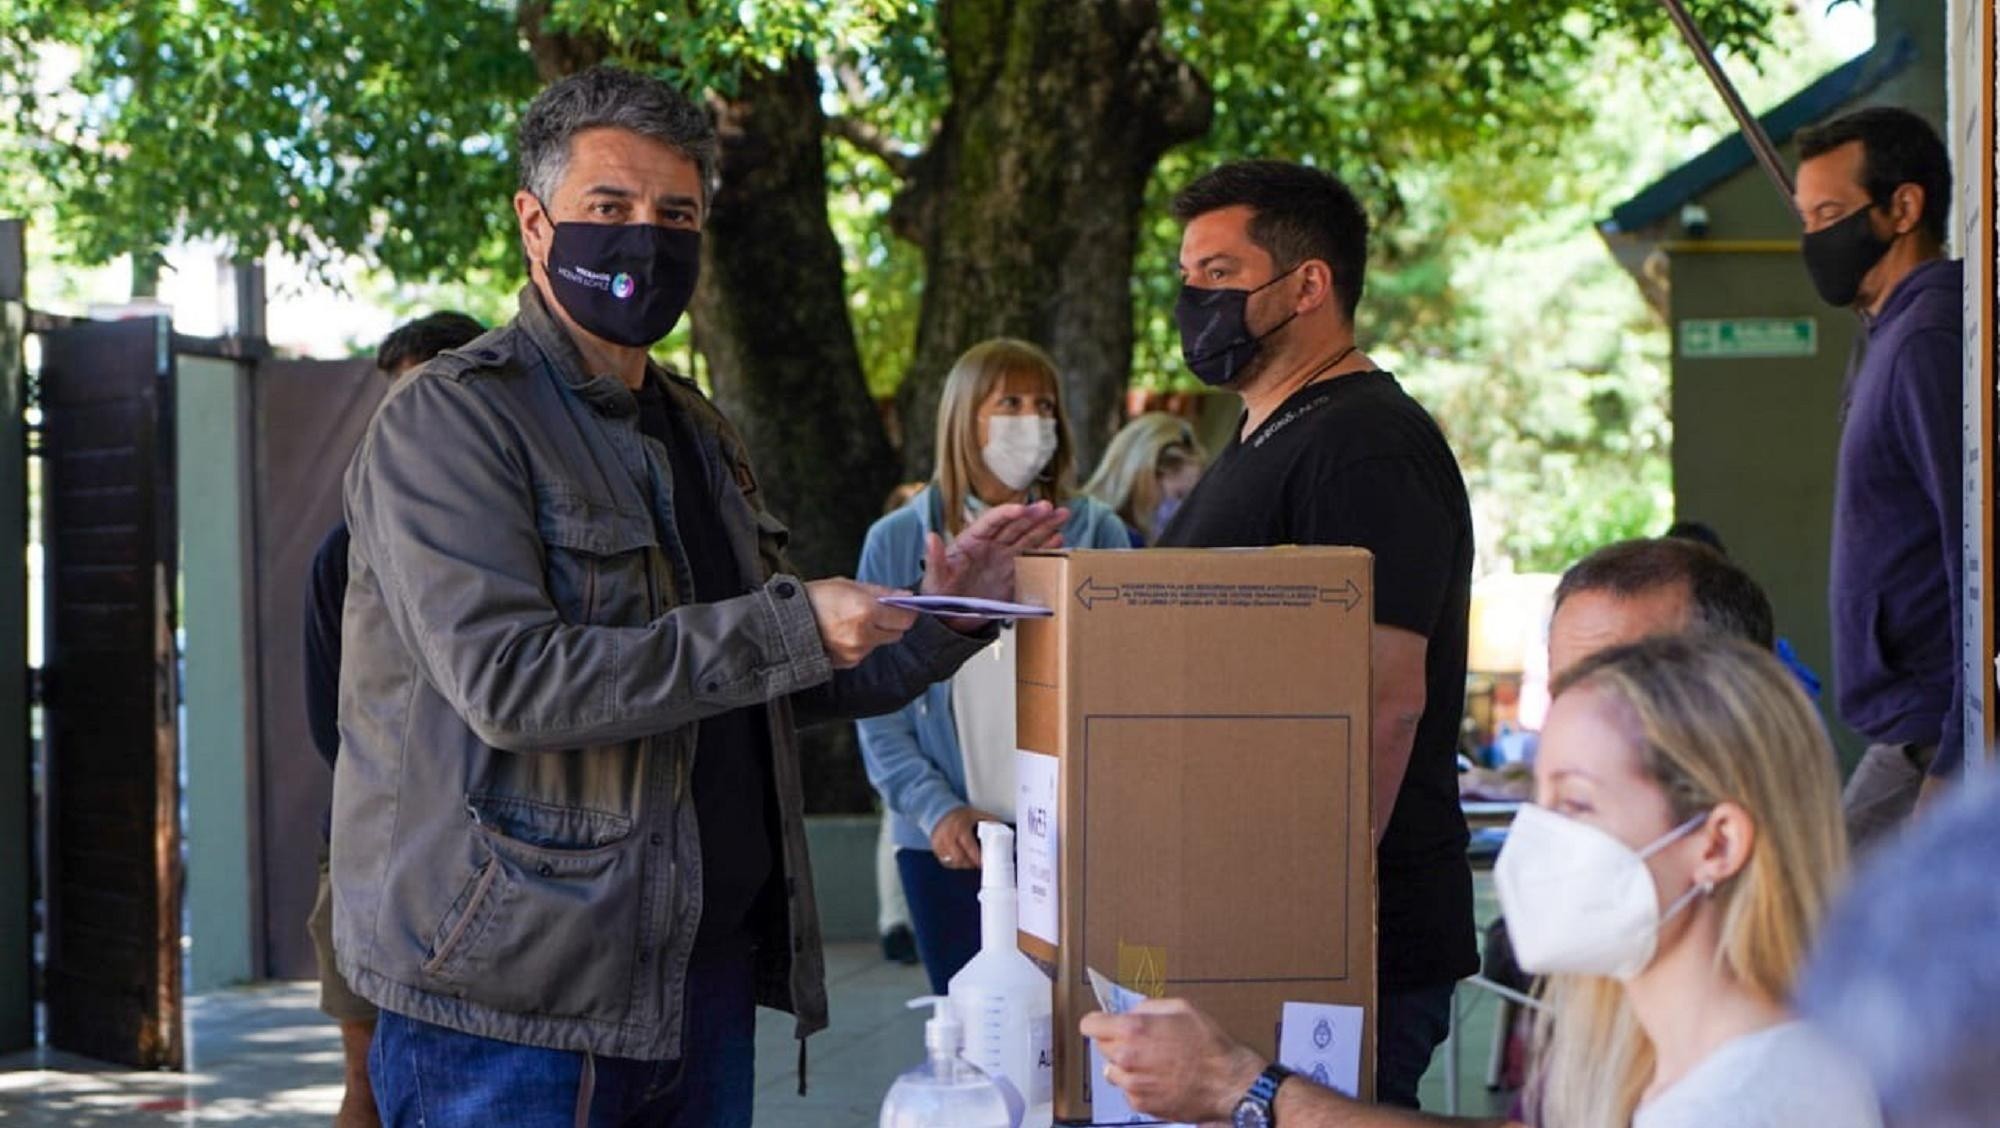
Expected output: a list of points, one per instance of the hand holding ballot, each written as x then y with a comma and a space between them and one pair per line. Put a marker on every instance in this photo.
853, 620
1173, 1061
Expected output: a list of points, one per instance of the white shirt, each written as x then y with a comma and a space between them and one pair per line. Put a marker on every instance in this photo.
982, 710
1787, 1075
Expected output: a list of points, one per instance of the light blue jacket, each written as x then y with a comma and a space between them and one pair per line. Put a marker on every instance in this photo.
912, 754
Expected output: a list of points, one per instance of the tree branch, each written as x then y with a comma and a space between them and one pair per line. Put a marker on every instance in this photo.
872, 140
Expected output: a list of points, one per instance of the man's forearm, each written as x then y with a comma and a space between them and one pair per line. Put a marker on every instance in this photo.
1302, 1104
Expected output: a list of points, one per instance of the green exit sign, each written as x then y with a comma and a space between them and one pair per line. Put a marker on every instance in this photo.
1734, 337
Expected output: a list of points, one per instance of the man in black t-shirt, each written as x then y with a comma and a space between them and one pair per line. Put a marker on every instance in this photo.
1332, 451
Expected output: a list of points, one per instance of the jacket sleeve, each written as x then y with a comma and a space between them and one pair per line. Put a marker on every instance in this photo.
910, 781
890, 677
440, 504
1927, 411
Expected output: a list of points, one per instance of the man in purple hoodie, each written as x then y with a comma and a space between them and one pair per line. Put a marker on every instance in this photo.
1874, 187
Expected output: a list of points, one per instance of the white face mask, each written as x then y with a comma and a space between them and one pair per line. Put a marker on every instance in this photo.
1018, 448
1577, 900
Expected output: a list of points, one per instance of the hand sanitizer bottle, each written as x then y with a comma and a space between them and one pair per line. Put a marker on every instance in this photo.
1001, 997
946, 1091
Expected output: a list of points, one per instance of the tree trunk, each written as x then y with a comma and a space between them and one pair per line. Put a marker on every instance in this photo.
771, 320
1028, 202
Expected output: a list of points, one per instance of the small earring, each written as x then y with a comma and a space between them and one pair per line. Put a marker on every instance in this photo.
1707, 888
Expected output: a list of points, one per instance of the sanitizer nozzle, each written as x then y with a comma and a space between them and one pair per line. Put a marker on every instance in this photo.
996, 849
943, 1034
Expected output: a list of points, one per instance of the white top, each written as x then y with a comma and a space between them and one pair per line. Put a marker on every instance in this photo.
982, 710
1787, 1075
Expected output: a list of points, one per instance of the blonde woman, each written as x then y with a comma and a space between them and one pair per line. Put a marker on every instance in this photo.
946, 761
1685, 841
1150, 467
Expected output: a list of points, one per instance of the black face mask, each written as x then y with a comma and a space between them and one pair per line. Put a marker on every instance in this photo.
1839, 255
1216, 341
625, 282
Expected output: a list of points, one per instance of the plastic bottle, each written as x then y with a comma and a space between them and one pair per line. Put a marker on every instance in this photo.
946, 1091
1001, 997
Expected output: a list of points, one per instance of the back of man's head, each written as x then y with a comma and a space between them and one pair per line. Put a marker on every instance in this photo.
1898, 147
1300, 213
1904, 975
1720, 596
415, 342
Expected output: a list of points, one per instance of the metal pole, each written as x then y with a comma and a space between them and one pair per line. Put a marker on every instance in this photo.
1753, 132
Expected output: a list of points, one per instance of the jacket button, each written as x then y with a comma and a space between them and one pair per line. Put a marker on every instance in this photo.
546, 870
658, 839
711, 686
786, 589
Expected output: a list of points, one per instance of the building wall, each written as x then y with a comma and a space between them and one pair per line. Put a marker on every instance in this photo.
215, 735
1755, 440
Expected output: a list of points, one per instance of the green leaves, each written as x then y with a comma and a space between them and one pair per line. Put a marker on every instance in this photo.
372, 127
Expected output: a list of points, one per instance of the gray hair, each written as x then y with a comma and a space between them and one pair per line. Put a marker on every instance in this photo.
1906, 978
620, 99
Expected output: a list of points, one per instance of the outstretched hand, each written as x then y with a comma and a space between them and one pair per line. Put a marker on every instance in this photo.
979, 562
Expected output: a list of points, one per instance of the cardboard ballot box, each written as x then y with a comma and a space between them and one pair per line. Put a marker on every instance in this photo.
1194, 805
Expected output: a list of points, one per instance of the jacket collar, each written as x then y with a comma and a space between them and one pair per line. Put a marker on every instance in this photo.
603, 391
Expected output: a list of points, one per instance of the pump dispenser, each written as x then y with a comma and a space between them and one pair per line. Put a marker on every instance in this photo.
946, 1091
1001, 997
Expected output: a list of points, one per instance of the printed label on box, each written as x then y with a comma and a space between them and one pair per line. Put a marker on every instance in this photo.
1323, 1042
1037, 836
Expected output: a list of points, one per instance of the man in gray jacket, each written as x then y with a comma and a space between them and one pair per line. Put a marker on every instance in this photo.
568, 849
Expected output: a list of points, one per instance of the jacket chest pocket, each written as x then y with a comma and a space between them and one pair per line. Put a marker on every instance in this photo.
597, 559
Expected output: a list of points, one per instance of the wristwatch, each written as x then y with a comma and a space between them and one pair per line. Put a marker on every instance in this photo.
1257, 1108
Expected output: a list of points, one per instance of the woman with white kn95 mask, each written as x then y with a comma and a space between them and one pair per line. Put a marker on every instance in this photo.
1685, 840
945, 762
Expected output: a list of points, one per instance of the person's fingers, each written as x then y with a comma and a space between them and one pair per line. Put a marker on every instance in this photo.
894, 621
1021, 527
1161, 1007
1049, 533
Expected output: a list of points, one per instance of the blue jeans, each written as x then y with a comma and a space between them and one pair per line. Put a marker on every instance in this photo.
944, 913
1409, 1027
428, 1076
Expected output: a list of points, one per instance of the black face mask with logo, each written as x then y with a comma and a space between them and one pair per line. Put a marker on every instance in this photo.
625, 282
1216, 341
1840, 254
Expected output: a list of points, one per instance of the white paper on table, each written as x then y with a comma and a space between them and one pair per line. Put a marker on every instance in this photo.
965, 607
1322, 1042
1107, 1101
1037, 836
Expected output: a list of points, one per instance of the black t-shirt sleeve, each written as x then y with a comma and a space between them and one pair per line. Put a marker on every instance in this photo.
326, 595
1387, 506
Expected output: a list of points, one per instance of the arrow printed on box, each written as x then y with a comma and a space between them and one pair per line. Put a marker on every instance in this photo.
1348, 595
1089, 593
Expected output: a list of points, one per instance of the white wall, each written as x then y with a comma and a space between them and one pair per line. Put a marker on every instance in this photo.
209, 415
